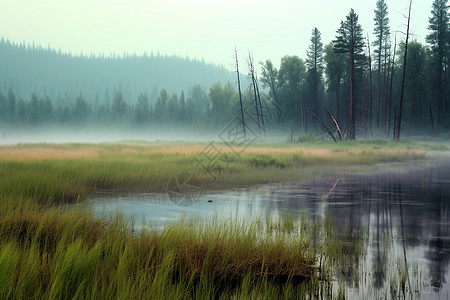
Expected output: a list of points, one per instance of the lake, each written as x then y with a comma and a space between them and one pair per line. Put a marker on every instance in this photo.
398, 214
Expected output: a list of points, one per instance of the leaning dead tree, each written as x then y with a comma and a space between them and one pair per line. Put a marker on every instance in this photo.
240, 94
254, 85
400, 108
322, 124
341, 137
260, 105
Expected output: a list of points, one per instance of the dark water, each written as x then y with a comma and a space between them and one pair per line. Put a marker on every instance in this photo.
398, 214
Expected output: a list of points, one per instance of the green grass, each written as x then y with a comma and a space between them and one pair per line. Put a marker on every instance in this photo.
72, 172
47, 252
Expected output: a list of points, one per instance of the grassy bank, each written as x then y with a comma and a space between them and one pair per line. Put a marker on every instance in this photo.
72, 172
46, 252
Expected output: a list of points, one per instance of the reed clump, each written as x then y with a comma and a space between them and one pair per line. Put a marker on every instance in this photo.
54, 254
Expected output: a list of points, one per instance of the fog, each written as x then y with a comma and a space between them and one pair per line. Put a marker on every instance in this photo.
102, 135
54, 135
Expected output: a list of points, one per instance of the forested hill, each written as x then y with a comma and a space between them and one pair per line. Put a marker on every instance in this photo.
47, 72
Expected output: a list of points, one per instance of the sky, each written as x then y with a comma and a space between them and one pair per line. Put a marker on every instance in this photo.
200, 29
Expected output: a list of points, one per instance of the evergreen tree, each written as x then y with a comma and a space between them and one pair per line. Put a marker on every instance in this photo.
438, 39
381, 32
119, 107
172, 108
314, 62
33, 109
335, 71
21, 111
142, 109
182, 110
11, 105
349, 40
80, 110
161, 106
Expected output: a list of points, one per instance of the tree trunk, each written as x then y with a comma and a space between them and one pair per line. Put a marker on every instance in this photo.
431, 117
400, 109
395, 121
240, 94
370, 86
410, 114
385, 79
260, 107
379, 89
338, 107
390, 89
252, 75
352, 116
324, 126
341, 137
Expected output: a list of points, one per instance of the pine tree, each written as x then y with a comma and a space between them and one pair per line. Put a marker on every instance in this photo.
381, 32
314, 62
334, 71
438, 39
349, 40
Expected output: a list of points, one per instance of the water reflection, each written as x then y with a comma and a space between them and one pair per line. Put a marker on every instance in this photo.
395, 223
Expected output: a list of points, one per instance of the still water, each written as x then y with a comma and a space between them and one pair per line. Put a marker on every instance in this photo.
399, 213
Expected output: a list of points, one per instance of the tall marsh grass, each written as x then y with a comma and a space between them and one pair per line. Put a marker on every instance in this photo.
48, 253
72, 172
51, 254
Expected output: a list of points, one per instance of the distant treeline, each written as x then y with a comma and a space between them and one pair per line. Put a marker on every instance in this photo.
216, 106
32, 68
366, 88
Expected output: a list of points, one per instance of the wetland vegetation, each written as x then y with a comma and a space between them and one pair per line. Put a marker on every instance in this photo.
49, 251
363, 217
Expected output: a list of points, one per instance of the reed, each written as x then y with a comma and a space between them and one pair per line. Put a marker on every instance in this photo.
48, 252
52, 254
72, 172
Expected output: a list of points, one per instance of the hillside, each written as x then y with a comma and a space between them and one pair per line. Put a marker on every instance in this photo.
45, 71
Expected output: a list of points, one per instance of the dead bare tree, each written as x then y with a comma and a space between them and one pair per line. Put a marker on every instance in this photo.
260, 105
240, 94
322, 124
255, 88
341, 137
400, 109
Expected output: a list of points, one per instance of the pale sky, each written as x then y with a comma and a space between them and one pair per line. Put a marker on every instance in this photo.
201, 29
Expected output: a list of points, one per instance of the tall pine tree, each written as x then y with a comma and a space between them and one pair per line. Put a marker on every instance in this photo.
349, 40
314, 63
438, 39
334, 71
381, 32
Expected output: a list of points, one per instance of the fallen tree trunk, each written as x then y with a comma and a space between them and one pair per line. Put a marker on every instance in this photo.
321, 123
341, 137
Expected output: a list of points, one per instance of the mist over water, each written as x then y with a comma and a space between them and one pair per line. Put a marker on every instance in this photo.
398, 215
103, 134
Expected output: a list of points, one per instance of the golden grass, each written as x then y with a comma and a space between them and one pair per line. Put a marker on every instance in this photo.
47, 152
87, 151
72, 172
